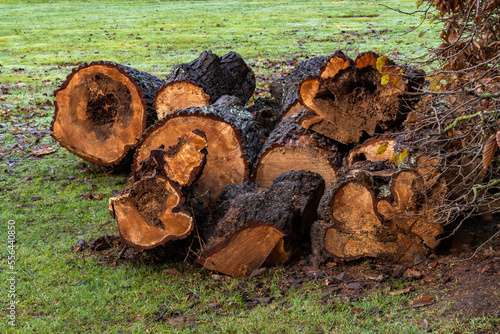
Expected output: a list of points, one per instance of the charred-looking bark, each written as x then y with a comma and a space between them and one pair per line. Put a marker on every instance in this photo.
233, 138
350, 99
365, 217
150, 212
285, 90
374, 149
260, 227
102, 110
203, 81
291, 147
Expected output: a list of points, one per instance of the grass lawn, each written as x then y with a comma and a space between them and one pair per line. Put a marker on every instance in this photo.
44, 198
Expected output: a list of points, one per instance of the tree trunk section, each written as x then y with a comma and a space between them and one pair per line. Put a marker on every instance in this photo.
372, 215
350, 99
102, 110
150, 212
258, 227
233, 138
285, 90
291, 147
203, 81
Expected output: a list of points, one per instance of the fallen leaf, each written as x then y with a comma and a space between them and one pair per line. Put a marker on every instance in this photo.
36, 198
412, 274
423, 301
430, 278
258, 272
381, 63
400, 292
381, 149
377, 278
385, 79
218, 277
424, 324
170, 271
43, 151
489, 150
354, 286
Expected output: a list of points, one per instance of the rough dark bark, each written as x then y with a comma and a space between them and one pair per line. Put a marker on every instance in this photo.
203, 81
102, 110
351, 99
259, 227
233, 138
291, 147
285, 90
373, 214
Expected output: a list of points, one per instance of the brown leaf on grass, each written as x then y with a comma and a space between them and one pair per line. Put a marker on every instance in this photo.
43, 151
489, 150
400, 292
424, 324
423, 301
412, 274
218, 277
498, 138
170, 271
36, 198
431, 278
93, 197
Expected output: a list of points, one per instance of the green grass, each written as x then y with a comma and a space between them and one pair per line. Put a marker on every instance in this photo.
64, 292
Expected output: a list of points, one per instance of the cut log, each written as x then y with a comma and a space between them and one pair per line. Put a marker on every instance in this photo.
416, 197
359, 221
102, 110
350, 99
181, 163
374, 149
203, 81
285, 90
291, 147
150, 212
233, 139
260, 227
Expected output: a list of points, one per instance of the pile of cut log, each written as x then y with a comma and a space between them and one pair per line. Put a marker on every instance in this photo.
201, 162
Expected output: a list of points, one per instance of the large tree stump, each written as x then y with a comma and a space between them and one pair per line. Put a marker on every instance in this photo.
102, 110
258, 227
364, 217
291, 147
150, 212
350, 99
203, 81
285, 90
233, 138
